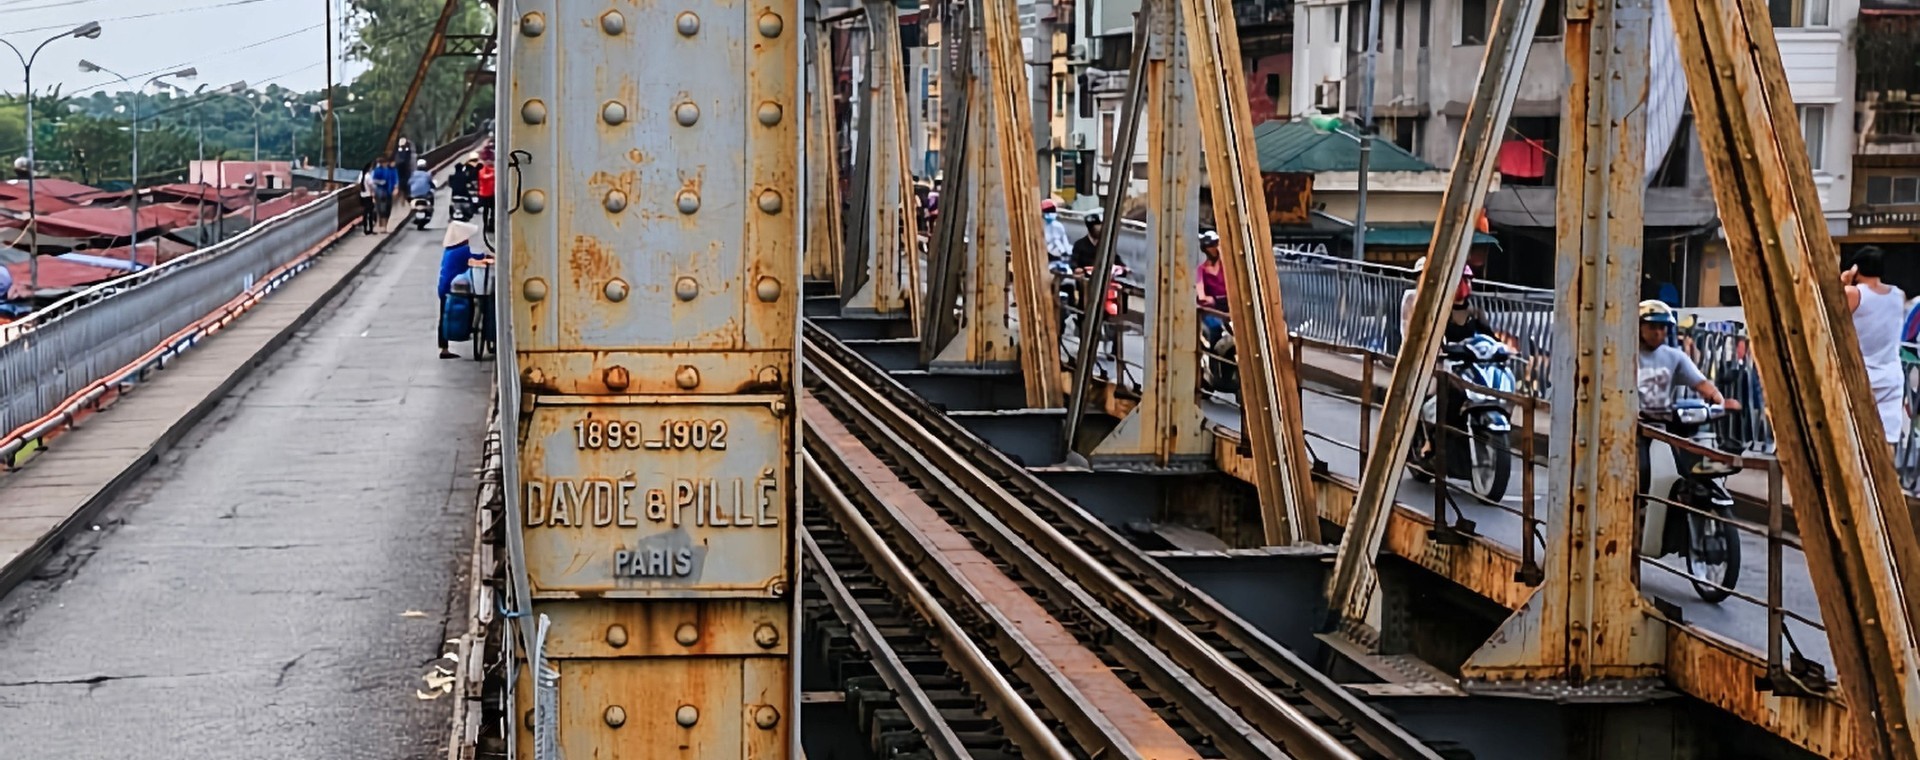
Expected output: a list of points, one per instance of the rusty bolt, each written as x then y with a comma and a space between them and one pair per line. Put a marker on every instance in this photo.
533, 376
616, 635
686, 114
533, 25
771, 24
529, 719
686, 716
778, 589
534, 201
689, 201
535, 289
767, 288
686, 288
769, 375
616, 201
765, 716
687, 634
687, 377
616, 378
616, 716
613, 23
614, 112
770, 201
766, 636
533, 112
616, 290
688, 23
769, 113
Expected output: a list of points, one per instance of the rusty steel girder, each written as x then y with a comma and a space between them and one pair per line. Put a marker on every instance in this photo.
1269, 391
435, 43
983, 336
1168, 423
1587, 626
889, 226
824, 242
1853, 519
650, 307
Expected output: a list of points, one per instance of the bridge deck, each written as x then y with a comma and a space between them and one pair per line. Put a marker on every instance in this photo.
261, 576
1333, 425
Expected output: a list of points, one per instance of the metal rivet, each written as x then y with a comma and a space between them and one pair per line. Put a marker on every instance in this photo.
686, 716
766, 636
616, 289
686, 114
616, 378
529, 719
616, 201
614, 112
688, 23
616, 635
534, 201
771, 24
770, 113
533, 377
613, 23
768, 376
770, 201
686, 634
767, 289
533, 112
535, 289
616, 716
533, 24
765, 716
689, 201
686, 377
686, 288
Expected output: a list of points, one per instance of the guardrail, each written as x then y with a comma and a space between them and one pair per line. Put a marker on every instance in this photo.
67, 357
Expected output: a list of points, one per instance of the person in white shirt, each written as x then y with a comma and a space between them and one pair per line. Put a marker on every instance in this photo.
1058, 244
1879, 313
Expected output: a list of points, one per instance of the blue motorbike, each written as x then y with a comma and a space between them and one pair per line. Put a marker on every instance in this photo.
1477, 443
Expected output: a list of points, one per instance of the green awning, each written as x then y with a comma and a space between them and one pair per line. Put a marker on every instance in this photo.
1296, 147
1410, 235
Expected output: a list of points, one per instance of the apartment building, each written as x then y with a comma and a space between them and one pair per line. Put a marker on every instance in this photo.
1429, 59
1884, 153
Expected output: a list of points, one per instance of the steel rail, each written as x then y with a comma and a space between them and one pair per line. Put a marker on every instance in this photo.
1082, 717
941, 740
1241, 735
1373, 729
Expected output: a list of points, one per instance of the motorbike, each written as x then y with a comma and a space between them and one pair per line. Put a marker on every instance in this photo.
1218, 371
422, 212
1486, 461
1068, 287
464, 206
1710, 546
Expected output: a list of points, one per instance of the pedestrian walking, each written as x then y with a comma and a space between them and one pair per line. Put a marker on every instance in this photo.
483, 181
385, 182
1879, 313
369, 189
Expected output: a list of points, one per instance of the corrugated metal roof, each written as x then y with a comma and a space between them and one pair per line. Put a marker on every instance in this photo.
56, 274
1296, 147
45, 186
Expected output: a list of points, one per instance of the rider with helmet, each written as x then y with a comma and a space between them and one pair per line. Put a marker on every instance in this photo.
1661, 366
1463, 322
1210, 282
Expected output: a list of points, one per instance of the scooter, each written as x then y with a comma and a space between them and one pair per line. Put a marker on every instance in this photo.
464, 206
422, 212
1486, 461
1711, 546
1219, 371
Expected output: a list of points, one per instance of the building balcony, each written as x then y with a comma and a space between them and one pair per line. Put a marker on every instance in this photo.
1251, 13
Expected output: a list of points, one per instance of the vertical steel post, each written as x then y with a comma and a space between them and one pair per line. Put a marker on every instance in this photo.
649, 364
1167, 424
1268, 386
823, 165
1852, 516
889, 226
1587, 625
1353, 590
1005, 90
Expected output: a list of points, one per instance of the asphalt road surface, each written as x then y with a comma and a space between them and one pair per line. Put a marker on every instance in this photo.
281, 582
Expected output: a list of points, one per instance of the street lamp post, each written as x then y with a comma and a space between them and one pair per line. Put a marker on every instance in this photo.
1331, 125
133, 198
89, 30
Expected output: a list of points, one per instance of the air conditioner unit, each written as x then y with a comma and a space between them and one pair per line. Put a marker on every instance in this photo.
1077, 52
1079, 141
1326, 96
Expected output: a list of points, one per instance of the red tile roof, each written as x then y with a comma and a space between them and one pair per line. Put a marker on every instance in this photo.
44, 204
45, 186
94, 221
168, 249
57, 274
230, 197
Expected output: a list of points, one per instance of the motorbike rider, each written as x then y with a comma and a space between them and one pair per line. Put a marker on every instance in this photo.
1058, 246
1464, 320
1086, 253
1211, 284
464, 175
1660, 366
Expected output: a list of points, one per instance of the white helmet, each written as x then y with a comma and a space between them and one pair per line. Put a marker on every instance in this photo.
1209, 237
420, 164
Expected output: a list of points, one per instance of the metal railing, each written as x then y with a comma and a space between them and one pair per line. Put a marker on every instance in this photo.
61, 350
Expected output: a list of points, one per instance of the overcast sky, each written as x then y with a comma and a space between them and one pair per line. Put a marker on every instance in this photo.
258, 41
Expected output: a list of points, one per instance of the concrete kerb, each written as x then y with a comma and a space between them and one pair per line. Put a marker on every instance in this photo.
23, 565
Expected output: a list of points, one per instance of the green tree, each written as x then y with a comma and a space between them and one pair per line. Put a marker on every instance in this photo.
390, 36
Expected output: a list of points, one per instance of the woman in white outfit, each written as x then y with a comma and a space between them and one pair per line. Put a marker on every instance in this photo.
1879, 312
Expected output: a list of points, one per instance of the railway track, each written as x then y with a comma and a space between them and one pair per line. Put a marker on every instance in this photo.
1049, 595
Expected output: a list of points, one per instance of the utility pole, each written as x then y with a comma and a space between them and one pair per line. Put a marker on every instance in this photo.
326, 124
1366, 130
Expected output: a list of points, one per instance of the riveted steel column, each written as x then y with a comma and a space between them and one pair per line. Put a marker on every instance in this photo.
1587, 627
948, 254
650, 296
984, 336
1853, 518
891, 227
1353, 590
824, 243
1168, 424
1269, 390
